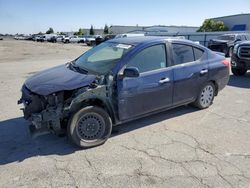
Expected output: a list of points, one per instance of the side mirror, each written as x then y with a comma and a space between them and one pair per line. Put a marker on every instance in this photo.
131, 72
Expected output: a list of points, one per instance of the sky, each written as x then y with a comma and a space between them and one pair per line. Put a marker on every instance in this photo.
33, 16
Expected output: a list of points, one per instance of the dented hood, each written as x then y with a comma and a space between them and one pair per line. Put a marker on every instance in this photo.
58, 78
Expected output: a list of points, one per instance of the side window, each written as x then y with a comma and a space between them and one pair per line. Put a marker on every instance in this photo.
151, 58
198, 53
182, 53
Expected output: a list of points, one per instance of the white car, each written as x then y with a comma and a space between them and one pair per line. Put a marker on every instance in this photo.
130, 35
74, 39
60, 38
77, 39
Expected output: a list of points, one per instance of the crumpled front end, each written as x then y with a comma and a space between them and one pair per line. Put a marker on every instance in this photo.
44, 112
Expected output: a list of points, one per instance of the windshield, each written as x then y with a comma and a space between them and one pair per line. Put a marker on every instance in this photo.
227, 37
102, 58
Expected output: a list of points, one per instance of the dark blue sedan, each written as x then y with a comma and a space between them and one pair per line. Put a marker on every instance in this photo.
118, 81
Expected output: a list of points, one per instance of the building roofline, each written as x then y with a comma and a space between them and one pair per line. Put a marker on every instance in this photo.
154, 26
244, 14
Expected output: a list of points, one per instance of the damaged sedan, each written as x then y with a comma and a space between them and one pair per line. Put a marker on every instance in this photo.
118, 81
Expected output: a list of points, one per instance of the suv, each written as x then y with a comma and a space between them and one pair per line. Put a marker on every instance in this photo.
240, 61
118, 81
225, 43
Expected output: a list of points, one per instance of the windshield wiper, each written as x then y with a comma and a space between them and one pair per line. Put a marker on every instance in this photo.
77, 68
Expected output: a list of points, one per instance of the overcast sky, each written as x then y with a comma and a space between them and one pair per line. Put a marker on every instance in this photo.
32, 16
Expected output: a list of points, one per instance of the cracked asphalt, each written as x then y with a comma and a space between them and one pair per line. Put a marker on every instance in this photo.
183, 147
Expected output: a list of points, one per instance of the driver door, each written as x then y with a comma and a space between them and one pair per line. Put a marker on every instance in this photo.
152, 90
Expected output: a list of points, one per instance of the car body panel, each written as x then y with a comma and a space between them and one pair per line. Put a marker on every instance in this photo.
125, 99
57, 79
137, 96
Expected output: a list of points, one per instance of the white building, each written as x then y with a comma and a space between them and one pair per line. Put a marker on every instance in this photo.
118, 29
238, 22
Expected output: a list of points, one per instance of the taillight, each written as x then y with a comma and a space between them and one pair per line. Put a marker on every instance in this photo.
225, 62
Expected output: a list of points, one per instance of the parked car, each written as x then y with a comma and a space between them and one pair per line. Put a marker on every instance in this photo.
77, 39
129, 35
225, 43
60, 38
1, 38
19, 37
118, 81
240, 60
91, 40
40, 38
100, 40
52, 39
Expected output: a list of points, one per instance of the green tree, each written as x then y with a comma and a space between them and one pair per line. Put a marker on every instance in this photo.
106, 29
50, 30
209, 25
80, 32
91, 31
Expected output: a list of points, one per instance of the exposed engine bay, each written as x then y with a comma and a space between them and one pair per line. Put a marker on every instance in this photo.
50, 113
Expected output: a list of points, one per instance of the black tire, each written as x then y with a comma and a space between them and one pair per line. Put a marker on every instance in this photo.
206, 96
89, 127
230, 52
239, 72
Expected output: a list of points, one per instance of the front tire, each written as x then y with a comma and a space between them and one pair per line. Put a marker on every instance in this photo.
89, 127
206, 96
239, 72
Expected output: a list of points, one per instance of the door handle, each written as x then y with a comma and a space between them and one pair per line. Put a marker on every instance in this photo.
204, 71
164, 80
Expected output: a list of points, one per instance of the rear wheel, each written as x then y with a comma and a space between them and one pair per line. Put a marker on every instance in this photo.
206, 96
90, 126
239, 72
230, 52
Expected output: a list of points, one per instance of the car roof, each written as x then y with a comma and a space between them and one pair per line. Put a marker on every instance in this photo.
235, 34
145, 39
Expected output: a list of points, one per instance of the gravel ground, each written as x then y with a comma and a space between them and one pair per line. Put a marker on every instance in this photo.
184, 147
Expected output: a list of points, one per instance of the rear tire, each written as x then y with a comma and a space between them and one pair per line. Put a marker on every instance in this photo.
206, 96
230, 52
89, 127
239, 72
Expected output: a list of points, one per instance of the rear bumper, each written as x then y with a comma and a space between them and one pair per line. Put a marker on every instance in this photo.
223, 82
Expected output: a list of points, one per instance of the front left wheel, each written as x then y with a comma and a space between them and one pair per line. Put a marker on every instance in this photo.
90, 126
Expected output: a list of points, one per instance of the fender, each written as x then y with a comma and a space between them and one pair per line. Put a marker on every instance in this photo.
99, 93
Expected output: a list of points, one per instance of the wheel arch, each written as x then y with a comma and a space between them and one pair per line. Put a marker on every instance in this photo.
94, 101
216, 86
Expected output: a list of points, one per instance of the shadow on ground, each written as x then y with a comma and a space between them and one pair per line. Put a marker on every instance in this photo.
17, 145
240, 81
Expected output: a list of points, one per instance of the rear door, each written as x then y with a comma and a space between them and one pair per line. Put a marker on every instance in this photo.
190, 72
152, 90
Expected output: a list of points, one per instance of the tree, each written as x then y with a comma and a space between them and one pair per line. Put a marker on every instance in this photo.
50, 31
80, 32
209, 25
91, 31
106, 29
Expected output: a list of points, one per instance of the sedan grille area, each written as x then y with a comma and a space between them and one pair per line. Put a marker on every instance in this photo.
244, 52
31, 101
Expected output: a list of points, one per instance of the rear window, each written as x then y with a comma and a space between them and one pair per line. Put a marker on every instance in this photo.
182, 53
198, 53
